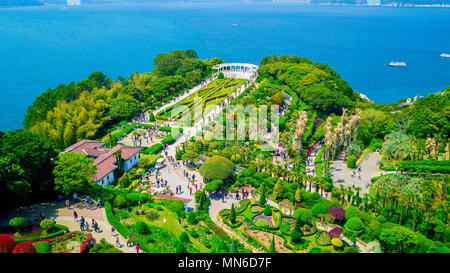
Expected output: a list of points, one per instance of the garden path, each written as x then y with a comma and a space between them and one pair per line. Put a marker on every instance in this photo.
341, 175
62, 215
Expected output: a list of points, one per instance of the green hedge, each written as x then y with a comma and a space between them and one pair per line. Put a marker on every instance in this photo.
60, 231
425, 166
153, 150
112, 219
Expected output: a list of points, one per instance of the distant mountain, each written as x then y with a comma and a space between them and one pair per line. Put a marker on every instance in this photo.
20, 3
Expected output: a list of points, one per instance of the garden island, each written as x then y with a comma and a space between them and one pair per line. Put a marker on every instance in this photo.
215, 157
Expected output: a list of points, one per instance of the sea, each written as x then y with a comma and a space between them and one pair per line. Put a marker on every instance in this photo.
41, 47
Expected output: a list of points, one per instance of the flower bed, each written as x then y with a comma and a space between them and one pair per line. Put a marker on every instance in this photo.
257, 208
263, 217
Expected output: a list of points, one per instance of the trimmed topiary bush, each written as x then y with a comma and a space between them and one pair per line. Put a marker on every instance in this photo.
267, 211
217, 167
318, 209
337, 212
24, 247
351, 162
303, 214
335, 232
142, 228
47, 224
336, 242
7, 243
352, 211
262, 223
42, 247
18, 223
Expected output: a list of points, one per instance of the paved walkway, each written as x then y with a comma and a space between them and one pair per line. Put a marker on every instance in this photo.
342, 175
62, 215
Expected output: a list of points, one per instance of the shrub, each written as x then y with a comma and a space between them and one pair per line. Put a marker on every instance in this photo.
152, 215
192, 218
42, 247
315, 250
335, 232
154, 149
351, 162
120, 202
47, 224
142, 228
152, 117
220, 76
7, 243
232, 214
168, 139
213, 185
303, 214
24, 247
354, 223
338, 213
18, 223
350, 249
217, 167
262, 223
353, 228
352, 211
337, 242
318, 209
267, 211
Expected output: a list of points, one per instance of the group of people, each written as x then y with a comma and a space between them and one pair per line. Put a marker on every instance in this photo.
84, 225
87, 200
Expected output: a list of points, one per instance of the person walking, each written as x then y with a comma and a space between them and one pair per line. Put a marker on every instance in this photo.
113, 231
118, 242
137, 248
67, 203
87, 226
75, 216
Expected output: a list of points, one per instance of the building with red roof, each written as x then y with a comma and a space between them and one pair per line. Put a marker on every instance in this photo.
104, 158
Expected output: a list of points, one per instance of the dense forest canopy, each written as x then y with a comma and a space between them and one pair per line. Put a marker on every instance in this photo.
317, 84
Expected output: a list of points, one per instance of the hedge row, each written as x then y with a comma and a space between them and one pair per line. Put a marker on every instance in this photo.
426, 166
153, 150
217, 230
61, 230
112, 219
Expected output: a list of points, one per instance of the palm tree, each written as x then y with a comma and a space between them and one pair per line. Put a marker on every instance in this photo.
300, 129
328, 139
336, 138
349, 193
356, 119
347, 137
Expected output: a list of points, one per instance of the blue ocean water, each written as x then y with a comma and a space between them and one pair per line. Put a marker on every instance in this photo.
41, 47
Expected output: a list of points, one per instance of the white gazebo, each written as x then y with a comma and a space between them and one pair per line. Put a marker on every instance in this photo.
237, 70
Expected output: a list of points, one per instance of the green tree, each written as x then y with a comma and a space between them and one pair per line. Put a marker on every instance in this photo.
398, 240
262, 197
233, 248
123, 107
272, 245
73, 172
278, 190
232, 214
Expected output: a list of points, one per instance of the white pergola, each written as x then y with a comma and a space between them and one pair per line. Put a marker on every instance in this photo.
237, 70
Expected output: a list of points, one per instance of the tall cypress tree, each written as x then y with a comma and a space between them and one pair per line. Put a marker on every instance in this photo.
272, 246
262, 197
232, 214
233, 248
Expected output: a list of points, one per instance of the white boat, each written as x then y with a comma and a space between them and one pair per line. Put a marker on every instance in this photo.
445, 55
397, 64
